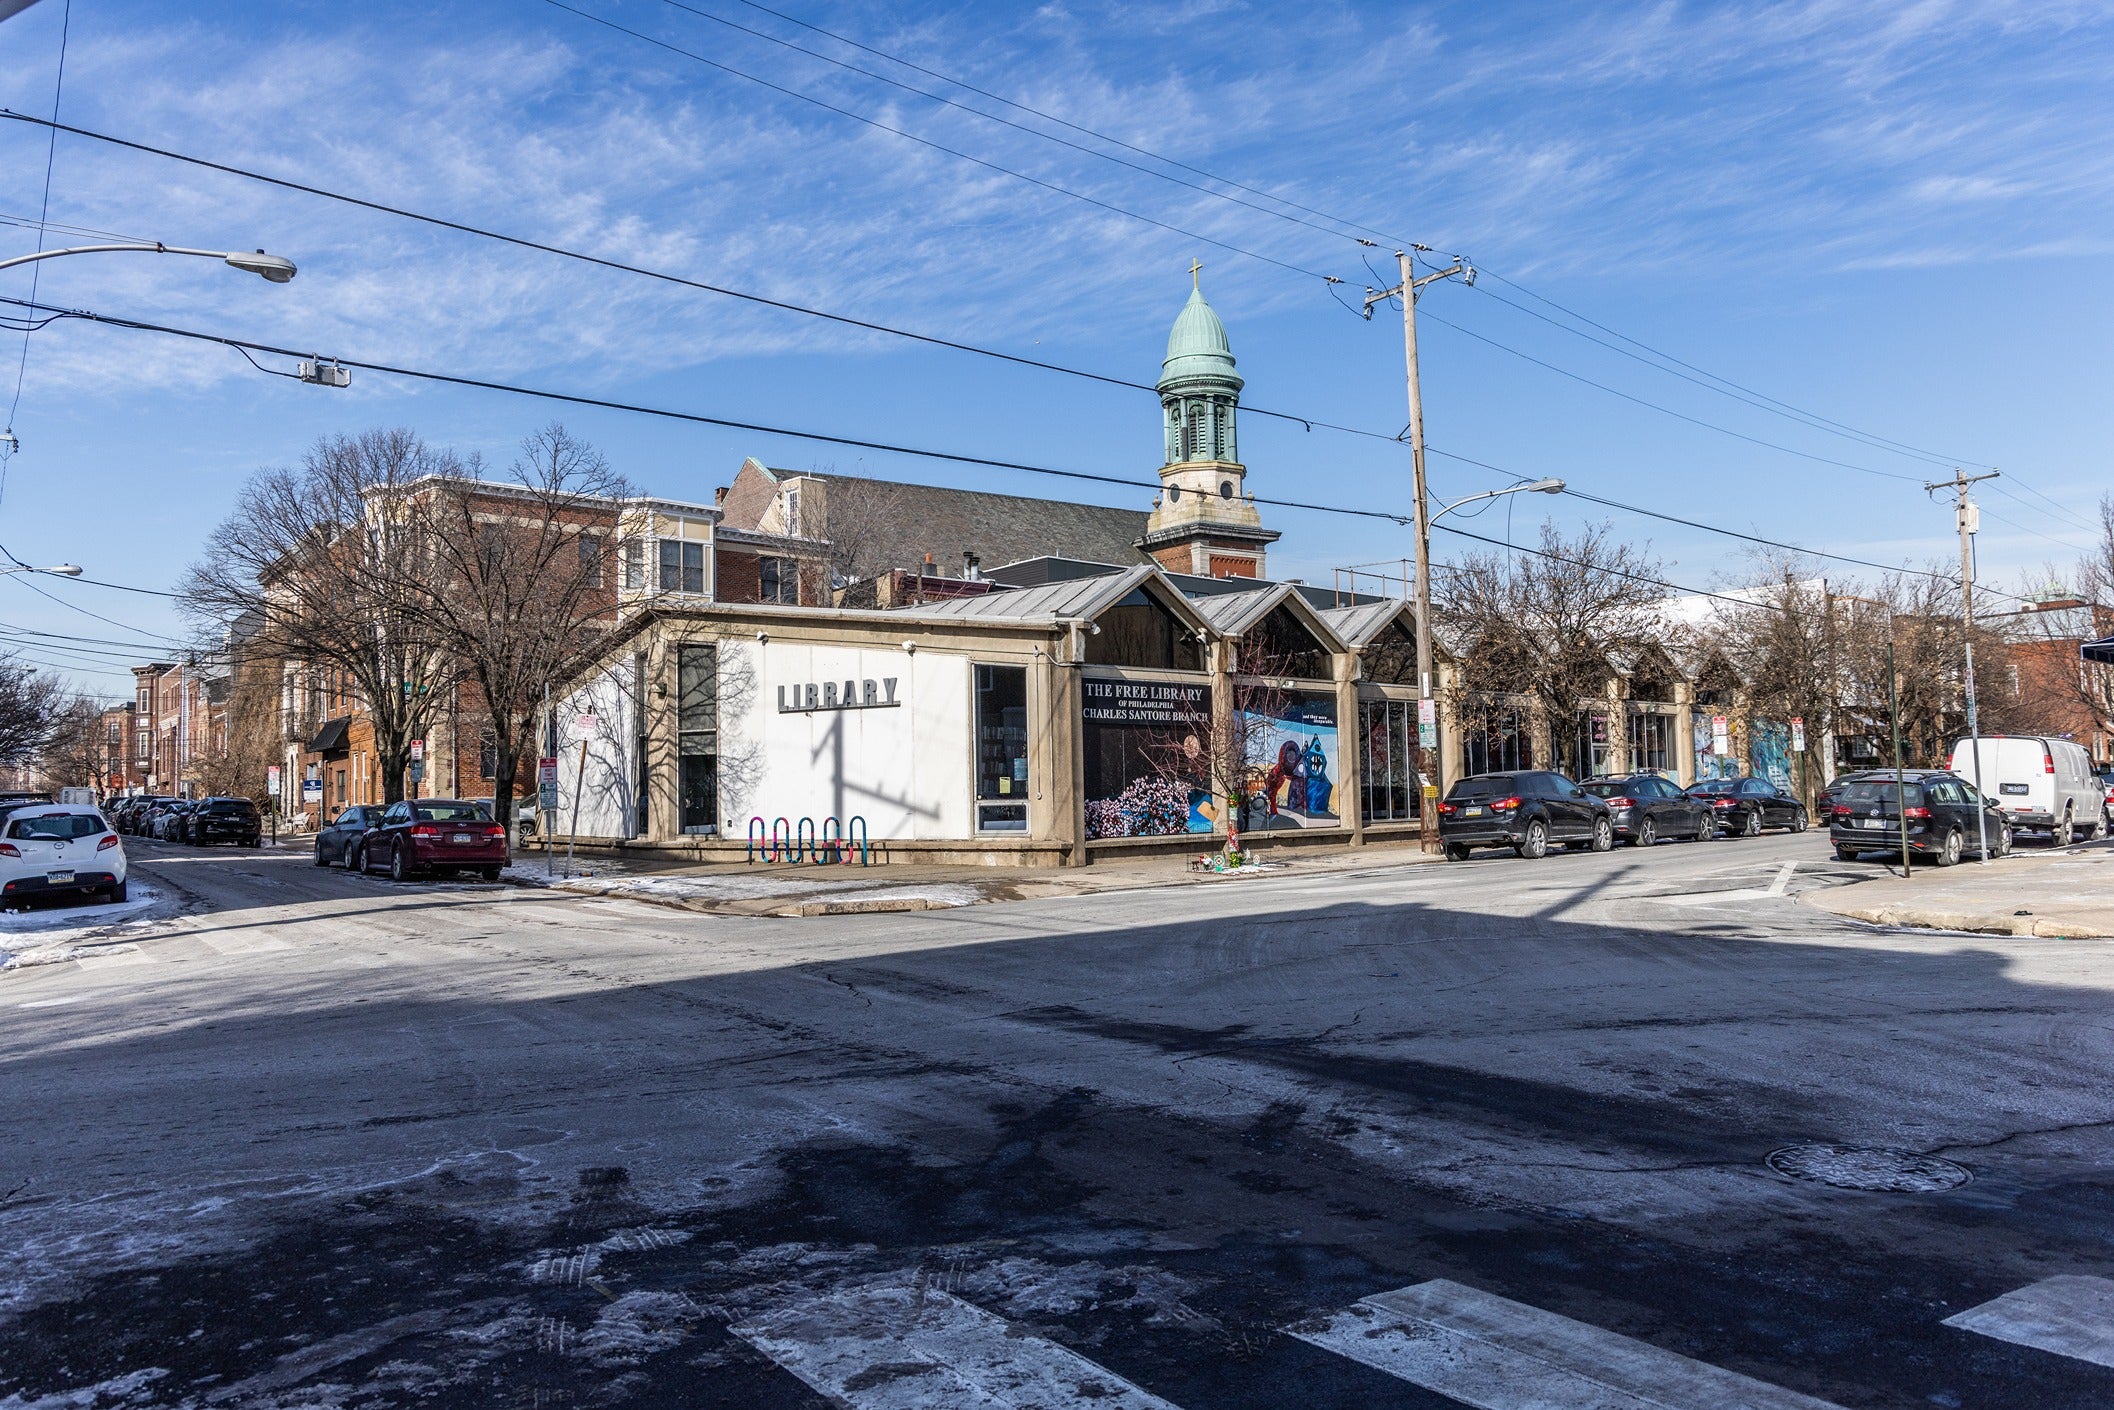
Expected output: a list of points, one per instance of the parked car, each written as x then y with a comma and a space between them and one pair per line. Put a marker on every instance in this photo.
2106, 783
171, 820
2042, 784
226, 820
338, 841
1744, 806
436, 836
150, 818
1646, 808
62, 849
1525, 811
1940, 808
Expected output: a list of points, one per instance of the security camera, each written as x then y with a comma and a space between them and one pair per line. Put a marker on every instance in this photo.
910, 647
1093, 628
762, 637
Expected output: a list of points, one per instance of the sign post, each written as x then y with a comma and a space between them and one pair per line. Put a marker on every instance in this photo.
1798, 751
547, 802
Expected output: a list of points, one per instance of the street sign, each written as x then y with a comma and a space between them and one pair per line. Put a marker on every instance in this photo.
1427, 712
418, 770
547, 770
584, 726
1720, 735
311, 790
547, 797
1798, 734
271, 779
1427, 736
418, 750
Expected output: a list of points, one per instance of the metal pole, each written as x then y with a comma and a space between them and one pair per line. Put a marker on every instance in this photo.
546, 737
1427, 815
1893, 714
1967, 646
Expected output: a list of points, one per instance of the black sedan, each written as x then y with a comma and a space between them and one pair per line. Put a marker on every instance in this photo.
1525, 811
339, 841
1744, 806
1941, 810
1646, 808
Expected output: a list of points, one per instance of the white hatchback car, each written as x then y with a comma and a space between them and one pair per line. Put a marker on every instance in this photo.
62, 849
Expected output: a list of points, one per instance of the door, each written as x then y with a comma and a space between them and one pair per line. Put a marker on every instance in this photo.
1570, 809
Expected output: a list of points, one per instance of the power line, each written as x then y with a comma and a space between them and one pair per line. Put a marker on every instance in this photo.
824, 438
954, 152
36, 273
543, 247
1001, 121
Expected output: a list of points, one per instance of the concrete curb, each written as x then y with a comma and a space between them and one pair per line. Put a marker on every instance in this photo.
1977, 923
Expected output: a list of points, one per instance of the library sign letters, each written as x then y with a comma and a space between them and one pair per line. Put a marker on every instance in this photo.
808, 697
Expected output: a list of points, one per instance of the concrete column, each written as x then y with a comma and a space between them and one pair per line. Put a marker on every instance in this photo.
1684, 733
1350, 739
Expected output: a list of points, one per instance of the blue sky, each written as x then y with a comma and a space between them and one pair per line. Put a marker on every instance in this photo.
1895, 216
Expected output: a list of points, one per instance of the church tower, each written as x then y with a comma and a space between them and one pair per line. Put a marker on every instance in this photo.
1202, 522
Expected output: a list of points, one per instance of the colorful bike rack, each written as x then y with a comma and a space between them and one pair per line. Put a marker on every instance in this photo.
832, 843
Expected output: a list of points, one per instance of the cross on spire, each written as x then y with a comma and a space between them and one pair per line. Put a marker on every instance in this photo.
1194, 266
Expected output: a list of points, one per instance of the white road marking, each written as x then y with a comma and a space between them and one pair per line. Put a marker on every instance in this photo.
1496, 1354
1783, 878
52, 1003
897, 1346
2071, 1315
247, 945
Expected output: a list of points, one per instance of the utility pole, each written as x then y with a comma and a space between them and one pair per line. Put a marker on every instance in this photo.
1893, 717
1969, 518
1427, 757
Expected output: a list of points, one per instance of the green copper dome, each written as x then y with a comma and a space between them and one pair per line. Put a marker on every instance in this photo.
1197, 345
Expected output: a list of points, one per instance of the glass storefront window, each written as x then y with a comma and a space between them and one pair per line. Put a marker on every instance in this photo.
1001, 748
1651, 742
1393, 789
697, 737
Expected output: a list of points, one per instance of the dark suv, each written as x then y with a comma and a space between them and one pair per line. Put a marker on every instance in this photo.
1647, 808
1940, 808
1525, 811
225, 820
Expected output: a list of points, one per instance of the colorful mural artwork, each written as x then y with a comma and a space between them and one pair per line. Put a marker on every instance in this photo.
1296, 788
1769, 748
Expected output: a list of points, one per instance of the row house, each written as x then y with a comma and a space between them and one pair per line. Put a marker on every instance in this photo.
179, 718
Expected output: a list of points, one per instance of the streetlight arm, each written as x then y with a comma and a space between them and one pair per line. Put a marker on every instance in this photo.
271, 267
1533, 487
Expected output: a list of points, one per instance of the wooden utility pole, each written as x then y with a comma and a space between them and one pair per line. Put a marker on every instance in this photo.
1969, 519
1427, 754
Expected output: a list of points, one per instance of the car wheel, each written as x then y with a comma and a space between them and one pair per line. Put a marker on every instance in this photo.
1798, 820
2066, 834
1948, 853
2004, 842
1647, 833
1752, 827
1455, 852
119, 892
1603, 835
356, 859
399, 869
1534, 843
1706, 829
321, 860
490, 873
1845, 854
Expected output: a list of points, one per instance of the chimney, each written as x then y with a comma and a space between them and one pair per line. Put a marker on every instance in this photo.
719, 496
971, 567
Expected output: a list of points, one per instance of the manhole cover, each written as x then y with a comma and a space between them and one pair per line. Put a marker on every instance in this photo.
1869, 1168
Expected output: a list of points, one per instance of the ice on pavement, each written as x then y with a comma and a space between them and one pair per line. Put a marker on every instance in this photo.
47, 931
770, 886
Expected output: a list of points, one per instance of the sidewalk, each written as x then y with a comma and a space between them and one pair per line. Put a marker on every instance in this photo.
2064, 892
804, 889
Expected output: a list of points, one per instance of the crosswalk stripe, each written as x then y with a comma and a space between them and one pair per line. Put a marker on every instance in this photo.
2070, 1315
1496, 1354
898, 1346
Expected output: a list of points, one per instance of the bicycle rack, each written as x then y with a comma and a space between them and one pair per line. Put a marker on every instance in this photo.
781, 839
832, 842
855, 831
803, 841
757, 833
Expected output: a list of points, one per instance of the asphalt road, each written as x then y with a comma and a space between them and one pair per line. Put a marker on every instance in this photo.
321, 1140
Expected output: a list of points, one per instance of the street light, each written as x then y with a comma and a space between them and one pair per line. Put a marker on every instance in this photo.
272, 267
1549, 486
63, 570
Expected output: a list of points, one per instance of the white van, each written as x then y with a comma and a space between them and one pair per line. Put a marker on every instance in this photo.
2045, 785
77, 797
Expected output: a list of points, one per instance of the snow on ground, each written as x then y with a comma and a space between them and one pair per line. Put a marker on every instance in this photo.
46, 932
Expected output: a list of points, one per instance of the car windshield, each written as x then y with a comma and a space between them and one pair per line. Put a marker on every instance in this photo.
1490, 786
1881, 792
57, 827
1606, 787
450, 812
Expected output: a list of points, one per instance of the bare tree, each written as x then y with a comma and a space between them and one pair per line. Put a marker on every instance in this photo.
249, 741
1545, 623
33, 706
2095, 570
322, 563
78, 750
522, 582
1787, 647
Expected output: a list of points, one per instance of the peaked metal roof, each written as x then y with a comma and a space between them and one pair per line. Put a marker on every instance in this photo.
1071, 599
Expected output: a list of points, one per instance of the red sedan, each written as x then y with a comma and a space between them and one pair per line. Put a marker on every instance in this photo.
434, 837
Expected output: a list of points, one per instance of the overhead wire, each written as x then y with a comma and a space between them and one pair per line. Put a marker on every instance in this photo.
941, 147
953, 457
13, 446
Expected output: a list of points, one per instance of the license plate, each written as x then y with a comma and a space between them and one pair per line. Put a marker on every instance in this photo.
1471, 812
464, 837
58, 878
2011, 788
1874, 823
